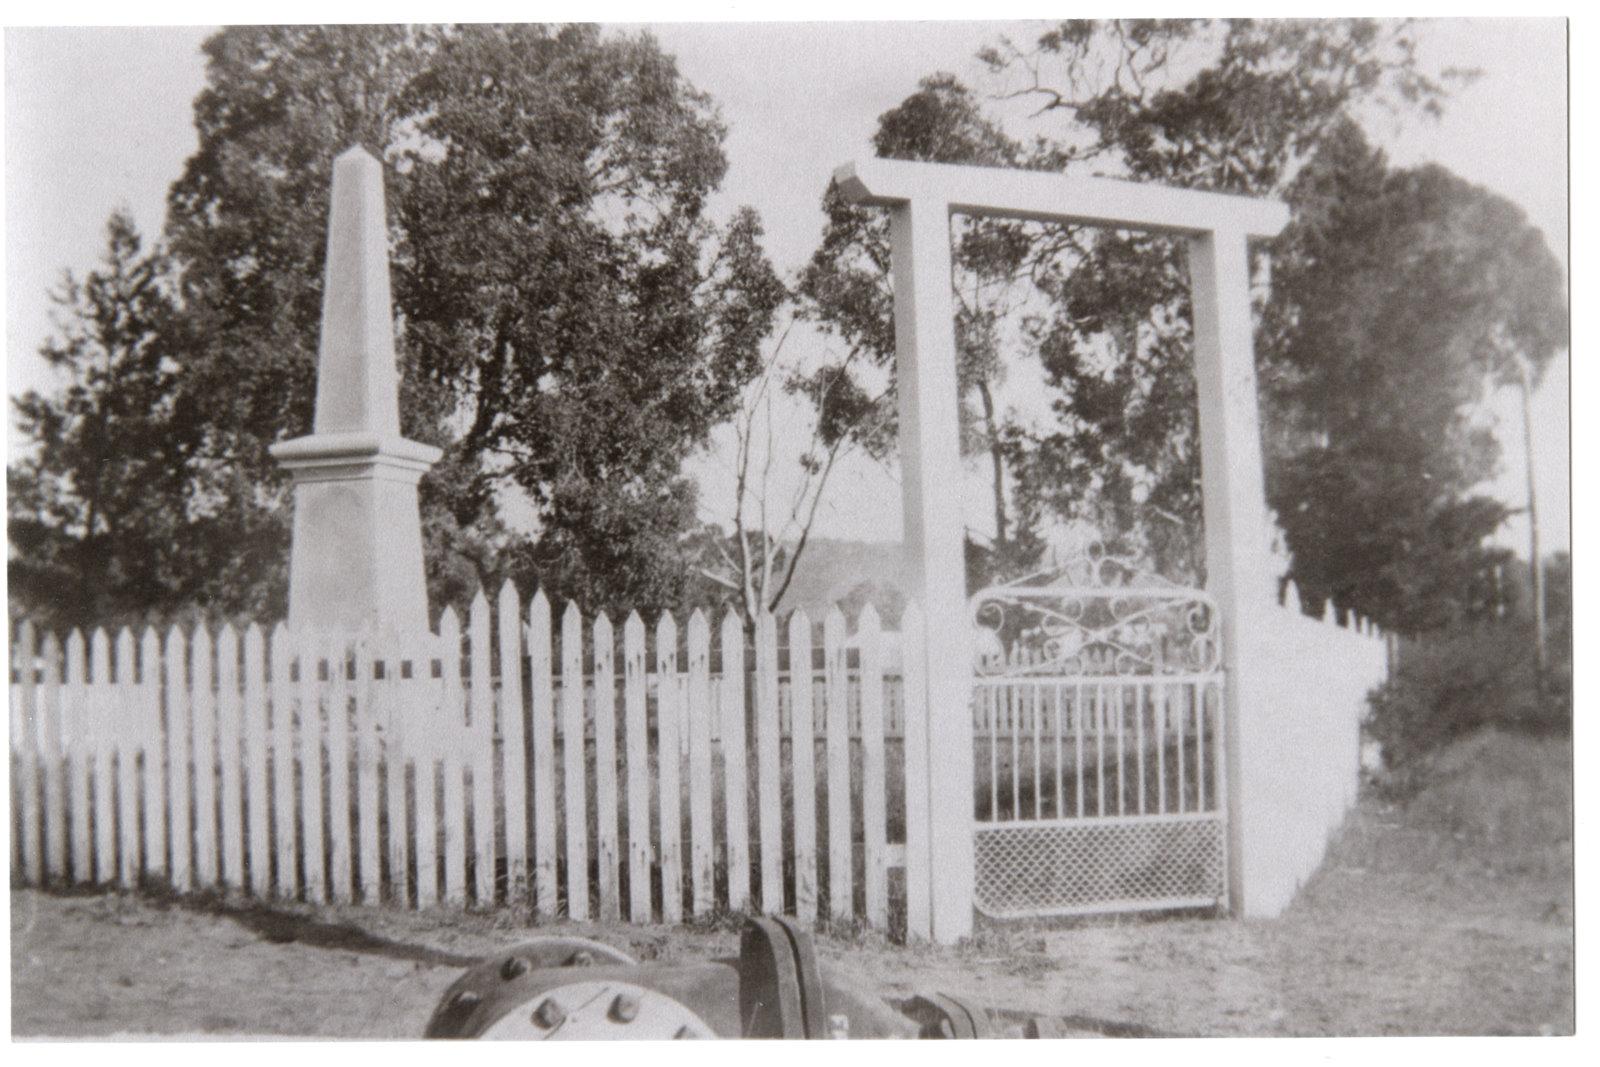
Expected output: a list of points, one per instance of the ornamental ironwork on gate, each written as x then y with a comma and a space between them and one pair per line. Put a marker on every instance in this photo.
1099, 743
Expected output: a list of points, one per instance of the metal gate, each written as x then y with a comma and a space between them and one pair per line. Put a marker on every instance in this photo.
1098, 738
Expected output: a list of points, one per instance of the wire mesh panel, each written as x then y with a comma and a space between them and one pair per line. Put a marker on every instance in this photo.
1098, 737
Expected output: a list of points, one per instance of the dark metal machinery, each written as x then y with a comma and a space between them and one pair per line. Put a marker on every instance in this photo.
572, 988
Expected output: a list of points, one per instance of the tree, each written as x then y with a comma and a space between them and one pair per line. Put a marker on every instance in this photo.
109, 519
572, 324
1397, 294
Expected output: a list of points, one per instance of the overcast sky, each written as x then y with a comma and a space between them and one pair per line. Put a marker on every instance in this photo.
97, 118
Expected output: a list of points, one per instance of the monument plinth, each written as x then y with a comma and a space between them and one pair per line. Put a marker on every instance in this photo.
357, 550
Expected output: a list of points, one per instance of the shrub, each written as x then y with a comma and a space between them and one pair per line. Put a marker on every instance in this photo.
1454, 683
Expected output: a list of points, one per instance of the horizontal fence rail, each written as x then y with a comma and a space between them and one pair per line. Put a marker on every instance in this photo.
575, 767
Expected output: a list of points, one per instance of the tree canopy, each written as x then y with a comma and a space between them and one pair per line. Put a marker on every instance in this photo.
571, 321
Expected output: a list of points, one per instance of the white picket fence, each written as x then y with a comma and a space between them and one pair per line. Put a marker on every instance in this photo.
640, 779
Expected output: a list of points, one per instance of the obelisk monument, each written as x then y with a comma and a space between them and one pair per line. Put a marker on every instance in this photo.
357, 549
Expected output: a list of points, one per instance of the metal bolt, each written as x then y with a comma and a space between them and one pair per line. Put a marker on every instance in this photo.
625, 1008
549, 1014
514, 967
581, 958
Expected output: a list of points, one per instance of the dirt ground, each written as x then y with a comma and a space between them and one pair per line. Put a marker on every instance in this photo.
1450, 915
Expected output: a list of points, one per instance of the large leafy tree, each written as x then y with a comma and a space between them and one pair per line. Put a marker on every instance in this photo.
1398, 294
572, 322
110, 517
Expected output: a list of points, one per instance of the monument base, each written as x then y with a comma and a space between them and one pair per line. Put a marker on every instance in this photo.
357, 556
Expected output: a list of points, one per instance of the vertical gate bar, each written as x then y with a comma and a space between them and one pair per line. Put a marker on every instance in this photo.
1200, 747
152, 817
841, 846
428, 748
1058, 688
27, 854
1159, 711
180, 834
282, 763
873, 813
1037, 693
1014, 727
127, 762
514, 748
1138, 737
1077, 741
919, 921
768, 811
101, 697
481, 751
995, 694
1122, 785
1183, 692
1100, 749
396, 756
52, 734
339, 770
802, 758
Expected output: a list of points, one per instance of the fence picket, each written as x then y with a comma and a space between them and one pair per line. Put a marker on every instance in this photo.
735, 792
52, 701
874, 813
768, 785
285, 876
605, 768
701, 846
480, 752
633, 671
669, 755
124, 707
308, 757
102, 698
443, 738
256, 799
428, 744
513, 739
26, 718
397, 745
368, 761
338, 715
79, 757
152, 813
919, 920
802, 757
841, 847
544, 767
575, 811
228, 740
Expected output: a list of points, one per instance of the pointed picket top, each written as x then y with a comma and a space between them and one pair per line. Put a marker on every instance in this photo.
539, 610
149, 654
633, 630
50, 652
508, 604
479, 610
699, 630
571, 616
125, 655
1291, 598
869, 621
834, 623
76, 660
666, 637
1330, 614
228, 637
450, 632
732, 642
604, 635
101, 646
253, 641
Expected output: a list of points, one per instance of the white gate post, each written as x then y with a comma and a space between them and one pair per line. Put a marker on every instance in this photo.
1238, 567
930, 479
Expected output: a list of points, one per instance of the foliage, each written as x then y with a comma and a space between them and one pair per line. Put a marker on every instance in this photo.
111, 515
1395, 294
572, 324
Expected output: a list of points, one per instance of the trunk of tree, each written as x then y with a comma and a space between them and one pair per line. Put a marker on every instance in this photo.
1525, 383
997, 459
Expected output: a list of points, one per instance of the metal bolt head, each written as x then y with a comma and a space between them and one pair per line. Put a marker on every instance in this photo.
581, 958
549, 1014
625, 1008
514, 967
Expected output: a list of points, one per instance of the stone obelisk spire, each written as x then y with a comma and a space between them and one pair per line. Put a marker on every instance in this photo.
357, 555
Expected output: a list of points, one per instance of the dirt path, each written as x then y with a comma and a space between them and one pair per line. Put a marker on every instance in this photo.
1405, 930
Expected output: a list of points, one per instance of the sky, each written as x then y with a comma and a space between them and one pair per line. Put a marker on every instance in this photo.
100, 118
